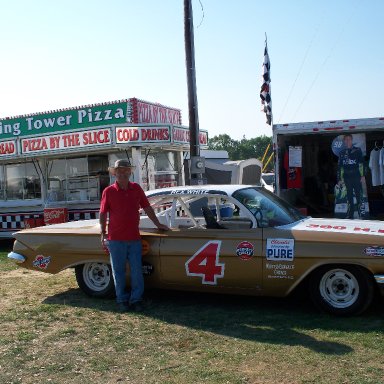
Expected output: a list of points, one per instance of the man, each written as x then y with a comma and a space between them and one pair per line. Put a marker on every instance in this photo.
121, 202
351, 172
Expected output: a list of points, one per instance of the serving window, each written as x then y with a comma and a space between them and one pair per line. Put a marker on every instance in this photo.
77, 179
19, 182
160, 169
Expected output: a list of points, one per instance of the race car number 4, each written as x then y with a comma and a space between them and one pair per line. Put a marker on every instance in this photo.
205, 263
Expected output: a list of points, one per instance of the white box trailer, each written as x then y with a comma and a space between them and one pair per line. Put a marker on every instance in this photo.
312, 148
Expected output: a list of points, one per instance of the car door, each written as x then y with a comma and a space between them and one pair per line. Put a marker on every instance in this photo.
280, 265
209, 259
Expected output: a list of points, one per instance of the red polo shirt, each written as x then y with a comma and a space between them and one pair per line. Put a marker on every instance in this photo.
123, 206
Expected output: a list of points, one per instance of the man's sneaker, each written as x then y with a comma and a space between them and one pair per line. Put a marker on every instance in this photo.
123, 307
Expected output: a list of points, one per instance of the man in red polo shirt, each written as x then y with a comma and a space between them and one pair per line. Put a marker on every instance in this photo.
121, 203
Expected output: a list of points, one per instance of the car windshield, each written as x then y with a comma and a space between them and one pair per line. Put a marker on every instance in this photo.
268, 209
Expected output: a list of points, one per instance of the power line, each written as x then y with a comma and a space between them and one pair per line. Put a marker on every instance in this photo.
300, 69
202, 10
336, 42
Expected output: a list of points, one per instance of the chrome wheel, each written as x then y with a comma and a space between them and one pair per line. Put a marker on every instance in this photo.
339, 288
95, 279
96, 276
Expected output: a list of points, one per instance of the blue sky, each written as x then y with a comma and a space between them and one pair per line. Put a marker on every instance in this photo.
326, 56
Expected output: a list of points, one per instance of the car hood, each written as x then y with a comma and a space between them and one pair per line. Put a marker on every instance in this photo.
326, 230
69, 229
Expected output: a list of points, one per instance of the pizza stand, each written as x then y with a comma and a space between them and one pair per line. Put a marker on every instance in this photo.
306, 165
54, 165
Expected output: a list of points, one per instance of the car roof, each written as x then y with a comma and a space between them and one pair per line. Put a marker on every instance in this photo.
207, 189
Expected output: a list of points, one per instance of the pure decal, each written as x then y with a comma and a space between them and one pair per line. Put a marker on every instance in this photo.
280, 249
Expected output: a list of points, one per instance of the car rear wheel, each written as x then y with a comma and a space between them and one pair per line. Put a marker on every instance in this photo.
342, 290
95, 279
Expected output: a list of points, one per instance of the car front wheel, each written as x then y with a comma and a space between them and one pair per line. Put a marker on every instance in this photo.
342, 290
95, 279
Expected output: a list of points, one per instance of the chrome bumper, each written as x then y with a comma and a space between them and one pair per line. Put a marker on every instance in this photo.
16, 257
380, 283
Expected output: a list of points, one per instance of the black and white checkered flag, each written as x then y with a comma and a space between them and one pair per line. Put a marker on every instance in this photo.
265, 92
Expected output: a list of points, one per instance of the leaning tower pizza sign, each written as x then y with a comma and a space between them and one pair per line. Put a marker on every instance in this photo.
131, 121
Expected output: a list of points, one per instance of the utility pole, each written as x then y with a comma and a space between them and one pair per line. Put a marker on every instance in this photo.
197, 163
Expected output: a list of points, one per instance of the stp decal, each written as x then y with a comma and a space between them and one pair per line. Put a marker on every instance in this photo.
205, 263
244, 250
280, 249
41, 261
374, 250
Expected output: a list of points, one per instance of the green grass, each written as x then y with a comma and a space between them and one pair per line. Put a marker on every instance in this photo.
51, 332
5, 263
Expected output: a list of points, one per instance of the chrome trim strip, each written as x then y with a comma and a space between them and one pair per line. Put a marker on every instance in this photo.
16, 257
379, 279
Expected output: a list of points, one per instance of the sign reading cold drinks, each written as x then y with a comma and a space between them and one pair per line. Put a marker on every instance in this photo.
143, 135
159, 134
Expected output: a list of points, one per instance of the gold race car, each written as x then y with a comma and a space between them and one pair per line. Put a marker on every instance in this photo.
233, 239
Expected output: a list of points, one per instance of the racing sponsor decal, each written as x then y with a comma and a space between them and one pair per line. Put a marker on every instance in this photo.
205, 263
196, 192
280, 249
368, 228
374, 250
279, 271
189, 192
327, 226
244, 250
41, 261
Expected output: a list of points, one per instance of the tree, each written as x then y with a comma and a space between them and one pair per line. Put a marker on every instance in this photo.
241, 149
222, 142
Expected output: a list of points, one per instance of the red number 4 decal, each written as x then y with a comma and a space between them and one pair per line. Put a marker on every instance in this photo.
205, 263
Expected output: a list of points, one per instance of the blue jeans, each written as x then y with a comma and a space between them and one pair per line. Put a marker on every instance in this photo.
120, 253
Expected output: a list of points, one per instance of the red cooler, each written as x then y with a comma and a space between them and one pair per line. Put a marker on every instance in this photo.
55, 215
